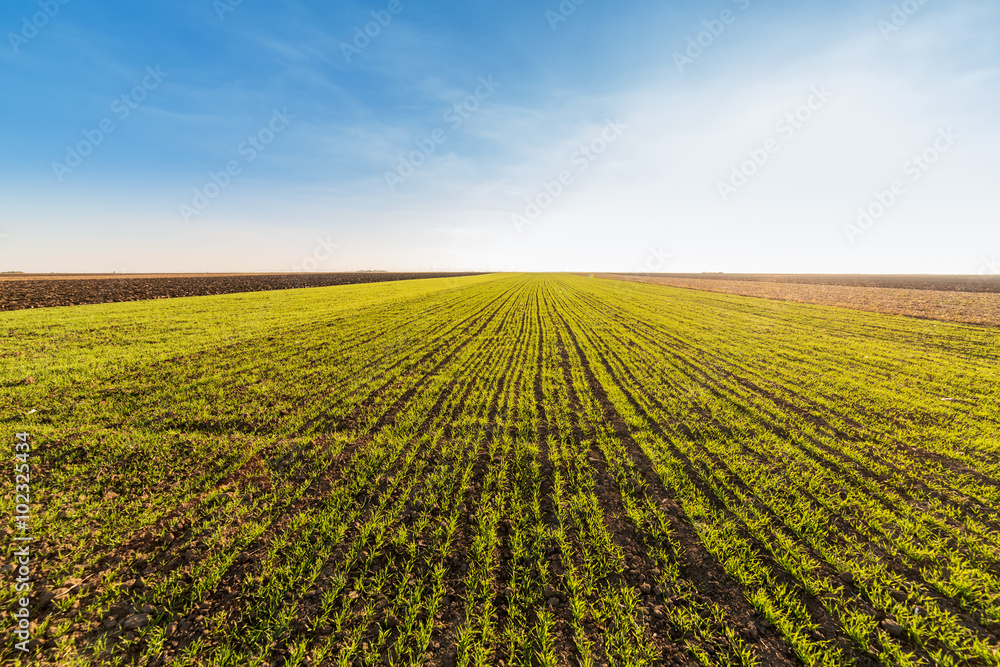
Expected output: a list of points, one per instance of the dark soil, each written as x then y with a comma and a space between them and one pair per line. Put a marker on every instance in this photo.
42, 291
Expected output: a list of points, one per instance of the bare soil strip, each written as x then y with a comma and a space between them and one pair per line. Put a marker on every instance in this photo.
21, 291
945, 283
977, 305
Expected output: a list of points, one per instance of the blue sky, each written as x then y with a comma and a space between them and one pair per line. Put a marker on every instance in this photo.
244, 136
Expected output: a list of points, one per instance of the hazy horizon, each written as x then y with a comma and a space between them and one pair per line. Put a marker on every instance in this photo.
473, 271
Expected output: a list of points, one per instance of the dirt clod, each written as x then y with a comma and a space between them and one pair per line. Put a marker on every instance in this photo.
894, 629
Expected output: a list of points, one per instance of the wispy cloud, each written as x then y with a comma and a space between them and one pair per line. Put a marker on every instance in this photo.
655, 186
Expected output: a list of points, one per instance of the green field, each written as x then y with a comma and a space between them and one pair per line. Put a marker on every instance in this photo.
505, 470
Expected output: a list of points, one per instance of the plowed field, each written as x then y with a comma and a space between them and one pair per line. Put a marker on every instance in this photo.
20, 291
970, 299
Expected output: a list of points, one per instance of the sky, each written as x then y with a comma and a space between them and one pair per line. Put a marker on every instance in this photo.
581, 135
